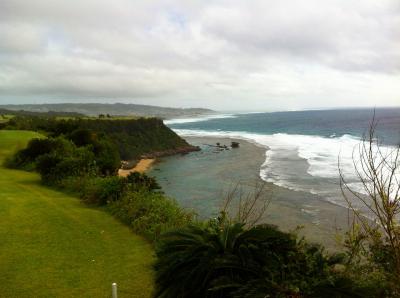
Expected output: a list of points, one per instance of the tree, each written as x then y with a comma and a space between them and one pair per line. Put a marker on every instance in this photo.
140, 181
82, 137
373, 239
107, 156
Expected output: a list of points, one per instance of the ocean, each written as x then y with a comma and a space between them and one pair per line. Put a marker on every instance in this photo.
302, 148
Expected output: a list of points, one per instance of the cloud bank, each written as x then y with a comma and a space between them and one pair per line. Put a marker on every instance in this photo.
270, 55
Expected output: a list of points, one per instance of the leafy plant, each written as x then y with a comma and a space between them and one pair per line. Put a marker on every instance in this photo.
139, 181
149, 213
222, 258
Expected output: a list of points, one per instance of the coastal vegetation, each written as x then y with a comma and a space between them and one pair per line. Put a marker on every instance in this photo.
52, 245
81, 156
235, 256
132, 137
223, 258
229, 256
74, 248
378, 240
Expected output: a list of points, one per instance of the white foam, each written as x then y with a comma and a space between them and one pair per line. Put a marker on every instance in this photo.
198, 119
285, 161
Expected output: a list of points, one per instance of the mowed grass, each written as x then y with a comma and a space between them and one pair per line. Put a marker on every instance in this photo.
52, 245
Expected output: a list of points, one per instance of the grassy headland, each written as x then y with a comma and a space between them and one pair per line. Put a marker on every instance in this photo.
132, 137
52, 245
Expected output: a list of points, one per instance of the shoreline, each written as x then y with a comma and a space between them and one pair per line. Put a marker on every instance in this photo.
199, 180
147, 160
142, 166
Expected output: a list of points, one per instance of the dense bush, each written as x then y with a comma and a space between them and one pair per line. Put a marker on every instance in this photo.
26, 158
103, 190
67, 161
131, 137
82, 137
140, 181
107, 156
149, 213
225, 259
58, 158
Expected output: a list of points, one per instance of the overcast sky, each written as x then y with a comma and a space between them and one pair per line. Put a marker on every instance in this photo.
227, 55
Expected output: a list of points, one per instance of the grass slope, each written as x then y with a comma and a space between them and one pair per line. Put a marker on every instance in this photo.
51, 245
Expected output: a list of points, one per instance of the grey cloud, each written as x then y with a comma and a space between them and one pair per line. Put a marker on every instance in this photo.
216, 53
336, 33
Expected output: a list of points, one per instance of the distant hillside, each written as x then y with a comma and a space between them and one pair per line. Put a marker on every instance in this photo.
20, 112
119, 109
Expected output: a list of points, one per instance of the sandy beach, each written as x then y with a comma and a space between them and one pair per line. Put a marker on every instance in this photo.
142, 166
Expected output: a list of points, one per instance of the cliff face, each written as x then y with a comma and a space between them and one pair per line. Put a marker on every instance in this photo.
134, 138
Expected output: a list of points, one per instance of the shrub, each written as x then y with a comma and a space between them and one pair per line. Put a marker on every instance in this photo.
139, 181
58, 165
226, 259
149, 213
26, 158
373, 239
82, 137
107, 157
103, 190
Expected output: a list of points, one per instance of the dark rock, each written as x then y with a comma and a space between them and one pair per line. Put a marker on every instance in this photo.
235, 144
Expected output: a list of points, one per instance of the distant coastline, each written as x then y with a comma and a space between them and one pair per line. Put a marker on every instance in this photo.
114, 109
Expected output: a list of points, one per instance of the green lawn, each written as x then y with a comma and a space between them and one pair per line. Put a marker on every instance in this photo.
52, 245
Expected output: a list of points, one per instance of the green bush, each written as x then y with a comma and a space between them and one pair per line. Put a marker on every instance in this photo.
140, 181
225, 259
103, 190
59, 164
59, 158
149, 213
82, 137
25, 158
106, 152
107, 157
